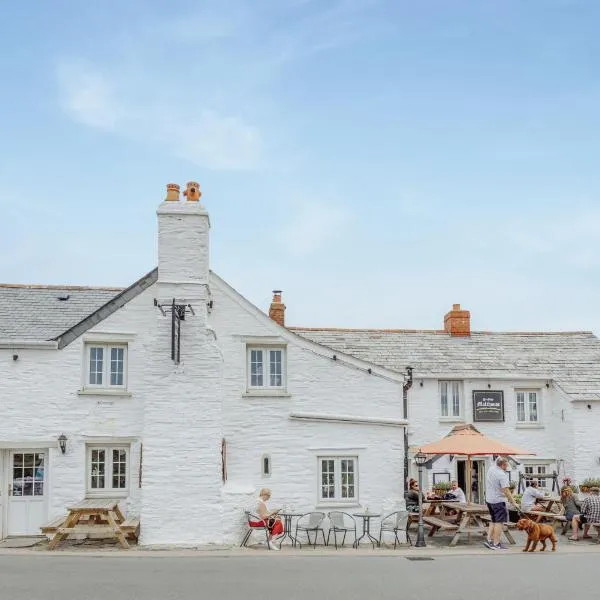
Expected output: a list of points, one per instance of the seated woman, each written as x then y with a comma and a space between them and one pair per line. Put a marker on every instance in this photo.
571, 504
530, 495
274, 524
412, 496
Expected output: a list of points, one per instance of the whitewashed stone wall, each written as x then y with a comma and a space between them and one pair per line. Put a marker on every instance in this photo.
550, 441
259, 425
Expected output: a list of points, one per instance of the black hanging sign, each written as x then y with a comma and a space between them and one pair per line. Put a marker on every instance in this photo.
488, 406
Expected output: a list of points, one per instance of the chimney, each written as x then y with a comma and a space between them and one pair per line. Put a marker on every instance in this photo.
457, 322
277, 309
183, 241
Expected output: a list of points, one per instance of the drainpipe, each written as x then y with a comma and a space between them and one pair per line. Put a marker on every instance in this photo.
408, 381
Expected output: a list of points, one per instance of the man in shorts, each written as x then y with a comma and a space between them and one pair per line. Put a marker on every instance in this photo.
497, 492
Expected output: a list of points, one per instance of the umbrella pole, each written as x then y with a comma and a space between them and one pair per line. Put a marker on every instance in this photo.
469, 479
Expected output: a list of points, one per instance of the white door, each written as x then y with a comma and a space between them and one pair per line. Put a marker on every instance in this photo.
27, 491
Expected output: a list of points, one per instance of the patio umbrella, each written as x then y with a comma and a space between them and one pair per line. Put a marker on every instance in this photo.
466, 440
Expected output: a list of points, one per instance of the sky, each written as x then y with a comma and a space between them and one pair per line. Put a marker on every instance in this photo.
377, 160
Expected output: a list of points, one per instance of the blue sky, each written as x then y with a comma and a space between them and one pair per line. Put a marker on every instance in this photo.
378, 160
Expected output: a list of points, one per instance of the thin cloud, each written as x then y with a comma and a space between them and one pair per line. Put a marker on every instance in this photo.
88, 97
311, 226
200, 135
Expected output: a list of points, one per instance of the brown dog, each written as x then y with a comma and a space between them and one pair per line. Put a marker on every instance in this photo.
537, 532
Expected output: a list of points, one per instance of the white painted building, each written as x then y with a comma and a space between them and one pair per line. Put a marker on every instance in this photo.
186, 429
246, 396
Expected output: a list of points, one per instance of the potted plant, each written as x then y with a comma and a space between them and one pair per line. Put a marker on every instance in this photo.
441, 488
588, 483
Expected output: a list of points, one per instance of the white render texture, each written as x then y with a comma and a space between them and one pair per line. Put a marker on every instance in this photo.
177, 415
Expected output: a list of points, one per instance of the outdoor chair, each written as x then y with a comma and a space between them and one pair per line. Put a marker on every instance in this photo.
393, 523
255, 523
311, 522
340, 522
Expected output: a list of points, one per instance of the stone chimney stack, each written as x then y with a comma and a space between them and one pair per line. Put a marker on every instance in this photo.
457, 322
277, 309
183, 242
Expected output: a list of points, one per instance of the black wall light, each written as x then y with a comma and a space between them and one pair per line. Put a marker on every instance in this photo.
62, 442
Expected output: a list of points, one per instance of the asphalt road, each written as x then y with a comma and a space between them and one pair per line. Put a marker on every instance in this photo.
494, 577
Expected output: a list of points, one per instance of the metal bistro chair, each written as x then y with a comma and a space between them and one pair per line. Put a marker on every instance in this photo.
340, 522
393, 523
311, 522
255, 523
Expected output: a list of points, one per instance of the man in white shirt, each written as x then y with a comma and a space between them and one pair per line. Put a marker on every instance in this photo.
530, 495
497, 492
457, 492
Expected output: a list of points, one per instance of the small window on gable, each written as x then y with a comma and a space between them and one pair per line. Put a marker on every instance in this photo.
106, 366
266, 368
266, 465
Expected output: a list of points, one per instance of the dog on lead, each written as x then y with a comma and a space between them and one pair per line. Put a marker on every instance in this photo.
536, 532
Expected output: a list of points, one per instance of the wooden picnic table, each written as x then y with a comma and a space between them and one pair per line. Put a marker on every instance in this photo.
101, 516
553, 511
470, 518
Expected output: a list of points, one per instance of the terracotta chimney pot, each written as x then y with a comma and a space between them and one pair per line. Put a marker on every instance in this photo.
172, 192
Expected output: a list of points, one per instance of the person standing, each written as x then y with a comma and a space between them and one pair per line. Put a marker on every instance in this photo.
497, 492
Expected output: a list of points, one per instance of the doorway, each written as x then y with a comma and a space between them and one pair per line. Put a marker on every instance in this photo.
25, 479
477, 479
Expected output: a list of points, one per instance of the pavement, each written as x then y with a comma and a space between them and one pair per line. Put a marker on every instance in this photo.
254, 575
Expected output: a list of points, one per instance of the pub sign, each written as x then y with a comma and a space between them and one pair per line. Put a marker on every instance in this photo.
488, 405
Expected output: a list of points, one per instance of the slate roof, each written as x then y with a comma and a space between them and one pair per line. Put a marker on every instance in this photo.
571, 359
36, 312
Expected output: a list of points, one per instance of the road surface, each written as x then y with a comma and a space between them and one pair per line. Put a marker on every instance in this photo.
270, 576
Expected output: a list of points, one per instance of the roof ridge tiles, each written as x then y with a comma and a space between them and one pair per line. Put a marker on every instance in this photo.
41, 286
433, 331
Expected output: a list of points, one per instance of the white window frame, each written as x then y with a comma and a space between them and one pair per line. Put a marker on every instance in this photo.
266, 368
450, 400
526, 409
337, 499
535, 470
107, 491
106, 358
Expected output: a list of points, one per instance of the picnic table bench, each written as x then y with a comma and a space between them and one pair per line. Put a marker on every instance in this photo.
93, 517
436, 524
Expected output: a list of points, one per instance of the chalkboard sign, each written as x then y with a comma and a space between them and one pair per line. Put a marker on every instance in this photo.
488, 406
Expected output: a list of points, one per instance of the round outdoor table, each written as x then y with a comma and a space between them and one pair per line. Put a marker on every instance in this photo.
287, 528
366, 518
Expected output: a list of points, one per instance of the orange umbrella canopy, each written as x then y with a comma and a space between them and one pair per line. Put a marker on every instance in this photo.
466, 440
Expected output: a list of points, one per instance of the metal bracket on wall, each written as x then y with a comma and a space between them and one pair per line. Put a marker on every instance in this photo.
178, 312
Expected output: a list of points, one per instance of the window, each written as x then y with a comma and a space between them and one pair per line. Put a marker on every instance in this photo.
265, 465
266, 368
536, 470
106, 365
450, 399
108, 470
527, 407
338, 479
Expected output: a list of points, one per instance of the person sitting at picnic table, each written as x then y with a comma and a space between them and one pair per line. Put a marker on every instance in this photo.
590, 513
412, 496
455, 493
571, 505
274, 524
530, 496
